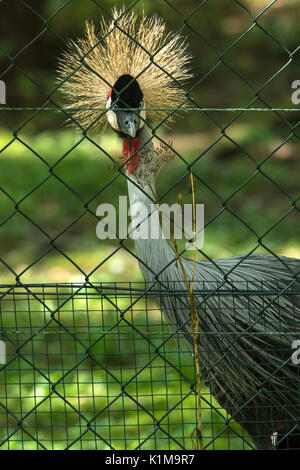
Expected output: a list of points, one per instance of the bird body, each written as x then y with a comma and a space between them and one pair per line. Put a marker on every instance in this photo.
245, 340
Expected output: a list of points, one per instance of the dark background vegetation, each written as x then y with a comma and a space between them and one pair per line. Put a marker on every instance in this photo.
247, 164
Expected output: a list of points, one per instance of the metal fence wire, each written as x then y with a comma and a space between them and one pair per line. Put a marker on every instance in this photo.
89, 363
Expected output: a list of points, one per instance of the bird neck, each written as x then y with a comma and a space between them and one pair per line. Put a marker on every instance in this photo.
152, 249
140, 158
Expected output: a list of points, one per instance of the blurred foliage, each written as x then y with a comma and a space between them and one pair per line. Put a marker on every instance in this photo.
34, 34
63, 201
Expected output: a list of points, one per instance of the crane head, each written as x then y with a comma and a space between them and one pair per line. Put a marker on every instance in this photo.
126, 93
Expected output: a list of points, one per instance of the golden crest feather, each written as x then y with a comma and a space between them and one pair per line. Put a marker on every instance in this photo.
141, 47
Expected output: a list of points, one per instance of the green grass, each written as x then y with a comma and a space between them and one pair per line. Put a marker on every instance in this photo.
123, 378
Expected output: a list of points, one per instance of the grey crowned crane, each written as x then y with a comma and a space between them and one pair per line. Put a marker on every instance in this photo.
132, 69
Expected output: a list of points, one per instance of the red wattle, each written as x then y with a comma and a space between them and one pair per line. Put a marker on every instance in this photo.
130, 147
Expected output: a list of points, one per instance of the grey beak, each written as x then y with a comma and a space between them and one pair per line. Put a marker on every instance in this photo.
128, 122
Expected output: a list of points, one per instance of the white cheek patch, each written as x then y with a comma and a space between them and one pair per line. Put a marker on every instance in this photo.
142, 116
111, 116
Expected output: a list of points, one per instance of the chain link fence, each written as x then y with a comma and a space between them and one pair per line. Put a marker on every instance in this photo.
88, 361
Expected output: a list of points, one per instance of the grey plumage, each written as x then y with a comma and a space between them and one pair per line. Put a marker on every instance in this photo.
246, 344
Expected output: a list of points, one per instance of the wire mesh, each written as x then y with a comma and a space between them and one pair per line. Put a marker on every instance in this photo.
91, 365
97, 367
